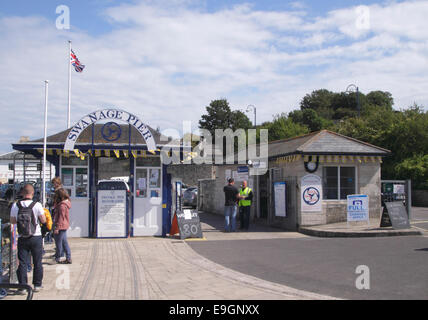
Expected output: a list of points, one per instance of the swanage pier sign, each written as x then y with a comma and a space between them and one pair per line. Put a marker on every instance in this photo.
113, 115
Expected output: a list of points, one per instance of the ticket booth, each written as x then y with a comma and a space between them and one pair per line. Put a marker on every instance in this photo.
112, 145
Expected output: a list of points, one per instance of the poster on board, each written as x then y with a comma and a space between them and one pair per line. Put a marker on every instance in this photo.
358, 207
280, 194
242, 174
311, 193
111, 213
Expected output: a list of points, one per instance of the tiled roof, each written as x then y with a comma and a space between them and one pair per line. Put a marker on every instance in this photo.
324, 142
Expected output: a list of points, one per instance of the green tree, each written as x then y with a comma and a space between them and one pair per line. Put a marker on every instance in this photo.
380, 99
220, 116
283, 127
416, 169
319, 101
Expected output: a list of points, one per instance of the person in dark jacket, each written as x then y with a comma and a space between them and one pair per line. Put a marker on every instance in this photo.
62, 205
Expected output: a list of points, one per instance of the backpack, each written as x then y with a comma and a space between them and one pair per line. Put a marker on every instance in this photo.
26, 221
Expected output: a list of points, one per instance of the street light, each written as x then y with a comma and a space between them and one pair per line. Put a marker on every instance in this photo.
249, 107
257, 213
358, 96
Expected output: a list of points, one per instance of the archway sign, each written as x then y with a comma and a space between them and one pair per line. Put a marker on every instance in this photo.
113, 115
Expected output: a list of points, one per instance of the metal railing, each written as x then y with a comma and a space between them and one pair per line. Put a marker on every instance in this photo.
9, 262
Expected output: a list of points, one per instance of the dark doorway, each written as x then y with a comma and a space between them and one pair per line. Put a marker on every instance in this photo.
264, 195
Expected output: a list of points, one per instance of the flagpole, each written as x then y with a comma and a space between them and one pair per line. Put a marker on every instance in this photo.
69, 85
44, 144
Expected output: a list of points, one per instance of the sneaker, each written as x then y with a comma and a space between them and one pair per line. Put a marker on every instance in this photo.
20, 292
37, 288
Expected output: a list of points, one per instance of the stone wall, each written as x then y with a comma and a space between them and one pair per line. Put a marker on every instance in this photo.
368, 182
211, 195
189, 174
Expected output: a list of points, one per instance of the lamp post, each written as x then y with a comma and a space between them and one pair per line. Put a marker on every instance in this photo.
358, 96
257, 213
44, 145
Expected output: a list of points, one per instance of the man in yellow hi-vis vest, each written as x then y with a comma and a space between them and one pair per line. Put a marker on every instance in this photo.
246, 196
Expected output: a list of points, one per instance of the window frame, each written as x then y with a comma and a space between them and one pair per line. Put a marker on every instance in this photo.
339, 178
73, 187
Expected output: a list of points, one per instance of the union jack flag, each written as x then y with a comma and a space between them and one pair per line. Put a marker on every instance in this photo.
75, 62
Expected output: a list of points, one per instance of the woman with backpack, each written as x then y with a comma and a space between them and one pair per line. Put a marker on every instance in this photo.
62, 205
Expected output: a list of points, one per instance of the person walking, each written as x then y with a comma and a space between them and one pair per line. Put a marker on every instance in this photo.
232, 196
245, 206
28, 215
62, 205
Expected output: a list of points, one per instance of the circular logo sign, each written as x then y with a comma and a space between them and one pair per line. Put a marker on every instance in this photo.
311, 196
111, 131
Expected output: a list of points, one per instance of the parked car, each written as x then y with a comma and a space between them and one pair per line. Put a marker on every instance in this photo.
37, 190
113, 185
190, 197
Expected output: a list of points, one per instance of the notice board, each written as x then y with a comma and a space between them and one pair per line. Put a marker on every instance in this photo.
280, 196
111, 213
311, 193
357, 207
189, 224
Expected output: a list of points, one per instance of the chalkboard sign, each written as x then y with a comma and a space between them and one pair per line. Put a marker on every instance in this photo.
189, 224
398, 215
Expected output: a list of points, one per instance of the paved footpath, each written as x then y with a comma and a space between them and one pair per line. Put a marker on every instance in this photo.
152, 268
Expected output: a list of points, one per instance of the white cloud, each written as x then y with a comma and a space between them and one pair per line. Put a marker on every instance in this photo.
167, 63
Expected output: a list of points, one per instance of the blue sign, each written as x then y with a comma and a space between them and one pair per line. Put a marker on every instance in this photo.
358, 207
242, 169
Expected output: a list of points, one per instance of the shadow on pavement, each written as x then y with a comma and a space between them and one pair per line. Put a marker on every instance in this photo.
215, 223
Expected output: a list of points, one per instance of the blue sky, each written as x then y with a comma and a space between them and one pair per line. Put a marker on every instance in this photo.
166, 60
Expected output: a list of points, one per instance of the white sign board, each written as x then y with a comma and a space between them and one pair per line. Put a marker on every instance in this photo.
358, 207
111, 213
311, 193
112, 115
242, 174
398, 189
187, 214
280, 199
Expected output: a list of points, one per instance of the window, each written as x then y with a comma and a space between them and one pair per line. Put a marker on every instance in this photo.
74, 176
338, 182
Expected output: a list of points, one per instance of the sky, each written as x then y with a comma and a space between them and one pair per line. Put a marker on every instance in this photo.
166, 60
